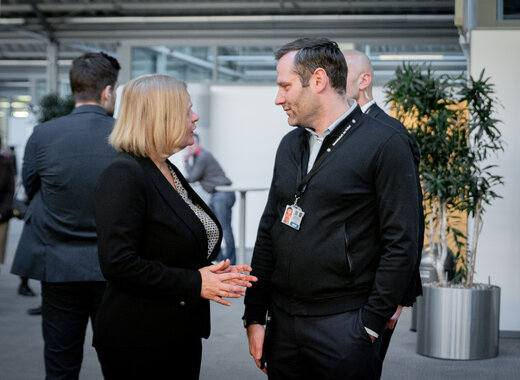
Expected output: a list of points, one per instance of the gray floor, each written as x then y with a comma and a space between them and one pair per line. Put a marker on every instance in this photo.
225, 354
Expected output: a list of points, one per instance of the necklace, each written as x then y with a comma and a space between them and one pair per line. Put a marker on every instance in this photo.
172, 173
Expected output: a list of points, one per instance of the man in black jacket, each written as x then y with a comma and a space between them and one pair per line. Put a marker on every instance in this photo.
63, 160
332, 272
359, 88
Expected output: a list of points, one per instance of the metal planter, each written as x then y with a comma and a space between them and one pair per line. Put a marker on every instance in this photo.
458, 323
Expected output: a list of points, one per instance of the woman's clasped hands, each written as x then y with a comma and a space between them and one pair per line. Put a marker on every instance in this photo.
225, 280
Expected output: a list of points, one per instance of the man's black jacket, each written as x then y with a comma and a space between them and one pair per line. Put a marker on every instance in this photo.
357, 245
415, 287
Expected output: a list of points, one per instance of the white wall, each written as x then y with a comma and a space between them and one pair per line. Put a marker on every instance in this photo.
245, 130
379, 96
498, 51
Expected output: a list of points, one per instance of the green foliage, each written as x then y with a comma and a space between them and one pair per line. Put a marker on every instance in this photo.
486, 142
461, 272
427, 100
456, 132
53, 106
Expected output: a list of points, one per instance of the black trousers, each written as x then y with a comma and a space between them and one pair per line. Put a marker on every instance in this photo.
331, 347
66, 309
157, 363
385, 342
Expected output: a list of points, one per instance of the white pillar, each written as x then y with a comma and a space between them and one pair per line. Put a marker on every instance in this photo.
124, 56
52, 67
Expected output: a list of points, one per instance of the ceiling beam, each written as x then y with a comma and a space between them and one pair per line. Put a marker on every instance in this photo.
253, 18
32, 62
17, 30
258, 36
262, 37
233, 6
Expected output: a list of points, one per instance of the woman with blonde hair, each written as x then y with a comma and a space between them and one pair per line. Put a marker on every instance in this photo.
156, 241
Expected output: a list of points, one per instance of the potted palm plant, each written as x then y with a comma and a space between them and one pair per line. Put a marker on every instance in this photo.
425, 103
452, 121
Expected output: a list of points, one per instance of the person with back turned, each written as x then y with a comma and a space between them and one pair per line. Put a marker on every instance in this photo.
62, 163
359, 87
333, 275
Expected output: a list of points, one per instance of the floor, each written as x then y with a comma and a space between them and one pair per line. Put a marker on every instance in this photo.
225, 354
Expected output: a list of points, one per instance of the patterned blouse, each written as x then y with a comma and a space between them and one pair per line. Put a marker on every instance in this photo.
209, 224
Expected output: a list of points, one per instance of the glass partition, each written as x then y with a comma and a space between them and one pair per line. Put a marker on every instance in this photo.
246, 64
199, 64
189, 63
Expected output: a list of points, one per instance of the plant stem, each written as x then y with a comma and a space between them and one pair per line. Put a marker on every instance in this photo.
471, 254
442, 252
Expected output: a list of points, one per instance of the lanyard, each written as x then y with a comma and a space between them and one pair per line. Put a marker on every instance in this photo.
302, 186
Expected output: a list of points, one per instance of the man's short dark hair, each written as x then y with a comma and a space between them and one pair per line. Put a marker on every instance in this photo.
90, 74
314, 53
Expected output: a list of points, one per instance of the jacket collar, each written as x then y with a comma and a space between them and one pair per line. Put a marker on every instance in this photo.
180, 208
373, 110
89, 108
354, 118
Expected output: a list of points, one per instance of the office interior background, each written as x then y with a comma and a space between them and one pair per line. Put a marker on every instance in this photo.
224, 51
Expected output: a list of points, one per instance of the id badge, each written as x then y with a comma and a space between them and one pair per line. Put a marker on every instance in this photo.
293, 216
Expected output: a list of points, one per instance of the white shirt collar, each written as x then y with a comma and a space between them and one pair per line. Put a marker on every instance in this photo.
367, 106
334, 124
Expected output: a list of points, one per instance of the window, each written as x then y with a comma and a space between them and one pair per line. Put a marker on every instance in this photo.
508, 10
198, 63
191, 64
246, 64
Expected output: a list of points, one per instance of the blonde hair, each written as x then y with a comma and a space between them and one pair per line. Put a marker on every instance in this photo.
152, 119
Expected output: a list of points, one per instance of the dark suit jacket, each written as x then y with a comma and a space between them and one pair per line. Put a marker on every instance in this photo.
62, 163
151, 246
415, 287
6, 187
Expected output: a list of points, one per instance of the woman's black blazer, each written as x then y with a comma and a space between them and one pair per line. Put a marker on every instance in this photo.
151, 246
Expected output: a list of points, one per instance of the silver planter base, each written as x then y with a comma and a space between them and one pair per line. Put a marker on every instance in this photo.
458, 323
